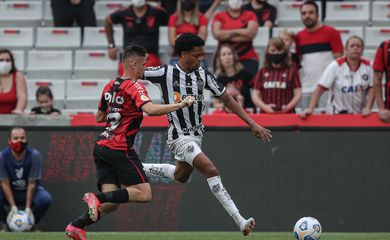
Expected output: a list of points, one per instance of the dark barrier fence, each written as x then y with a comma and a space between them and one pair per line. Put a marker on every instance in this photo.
340, 177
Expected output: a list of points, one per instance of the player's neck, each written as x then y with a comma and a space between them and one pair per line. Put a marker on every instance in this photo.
140, 11
353, 63
184, 68
129, 76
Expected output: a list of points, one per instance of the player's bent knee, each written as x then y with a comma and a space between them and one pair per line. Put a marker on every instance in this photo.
182, 178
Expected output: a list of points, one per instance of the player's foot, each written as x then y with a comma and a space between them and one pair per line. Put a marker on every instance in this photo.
247, 226
75, 233
93, 205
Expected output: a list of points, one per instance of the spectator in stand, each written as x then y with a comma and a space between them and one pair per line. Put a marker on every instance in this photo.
288, 39
44, 98
13, 87
140, 23
20, 174
208, 7
66, 12
186, 19
238, 27
317, 45
349, 81
231, 73
265, 12
277, 86
382, 64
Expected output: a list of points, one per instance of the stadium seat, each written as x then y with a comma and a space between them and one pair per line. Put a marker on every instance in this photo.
379, 13
73, 111
20, 13
347, 32
261, 40
20, 60
49, 64
95, 37
153, 91
105, 8
376, 35
57, 87
47, 14
370, 54
350, 13
94, 64
58, 38
276, 30
84, 93
211, 43
288, 13
17, 37
163, 41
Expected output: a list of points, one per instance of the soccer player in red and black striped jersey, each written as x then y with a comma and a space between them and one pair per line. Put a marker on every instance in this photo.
120, 176
277, 86
382, 64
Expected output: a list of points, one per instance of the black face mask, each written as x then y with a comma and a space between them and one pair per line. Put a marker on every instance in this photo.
188, 5
276, 58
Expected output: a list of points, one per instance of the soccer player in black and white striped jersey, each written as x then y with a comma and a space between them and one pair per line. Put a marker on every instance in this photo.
185, 130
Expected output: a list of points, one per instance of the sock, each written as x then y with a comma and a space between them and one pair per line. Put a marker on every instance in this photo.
83, 220
160, 170
118, 196
224, 198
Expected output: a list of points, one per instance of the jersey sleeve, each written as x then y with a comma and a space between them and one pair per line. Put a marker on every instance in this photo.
155, 74
379, 64
103, 103
329, 75
258, 79
3, 171
117, 17
172, 20
203, 21
36, 166
218, 17
139, 95
336, 43
213, 85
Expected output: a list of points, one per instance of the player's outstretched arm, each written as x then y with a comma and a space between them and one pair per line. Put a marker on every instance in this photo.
152, 109
101, 116
259, 131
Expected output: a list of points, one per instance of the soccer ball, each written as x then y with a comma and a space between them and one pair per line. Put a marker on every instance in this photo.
307, 228
21, 222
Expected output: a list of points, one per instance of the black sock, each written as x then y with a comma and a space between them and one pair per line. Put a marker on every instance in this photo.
118, 196
83, 220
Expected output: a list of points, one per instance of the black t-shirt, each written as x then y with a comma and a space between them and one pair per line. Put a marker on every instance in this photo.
38, 110
266, 13
142, 31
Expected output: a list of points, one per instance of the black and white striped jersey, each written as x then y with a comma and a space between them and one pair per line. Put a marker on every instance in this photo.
176, 85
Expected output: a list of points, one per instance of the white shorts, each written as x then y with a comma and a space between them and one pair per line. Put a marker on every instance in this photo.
186, 148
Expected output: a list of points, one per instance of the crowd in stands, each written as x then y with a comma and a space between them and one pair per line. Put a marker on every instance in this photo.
316, 74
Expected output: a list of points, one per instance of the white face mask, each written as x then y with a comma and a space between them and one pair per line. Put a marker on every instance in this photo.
5, 67
138, 3
235, 4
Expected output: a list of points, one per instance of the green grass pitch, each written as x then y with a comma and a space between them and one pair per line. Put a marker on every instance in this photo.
189, 236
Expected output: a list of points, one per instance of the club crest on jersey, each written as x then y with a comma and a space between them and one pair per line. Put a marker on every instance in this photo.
113, 98
144, 98
365, 77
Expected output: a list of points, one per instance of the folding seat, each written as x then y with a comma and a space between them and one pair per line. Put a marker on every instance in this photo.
95, 37
65, 38
379, 13
56, 86
261, 40
105, 8
94, 64
350, 13
289, 13
369, 54
163, 39
17, 37
47, 14
49, 64
277, 30
20, 59
376, 35
347, 32
84, 93
20, 13
75, 111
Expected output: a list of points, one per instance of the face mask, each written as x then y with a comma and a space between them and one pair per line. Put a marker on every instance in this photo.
5, 67
138, 3
188, 5
276, 58
18, 147
235, 4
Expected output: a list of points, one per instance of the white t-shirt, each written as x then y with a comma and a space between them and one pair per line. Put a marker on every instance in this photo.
347, 89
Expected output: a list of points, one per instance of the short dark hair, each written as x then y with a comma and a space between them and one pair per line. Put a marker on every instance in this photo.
352, 37
133, 50
310, 2
14, 128
13, 66
186, 43
44, 91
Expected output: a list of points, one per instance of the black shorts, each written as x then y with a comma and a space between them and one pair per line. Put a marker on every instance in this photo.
118, 167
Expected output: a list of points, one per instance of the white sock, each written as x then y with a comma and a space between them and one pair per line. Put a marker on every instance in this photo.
160, 170
224, 198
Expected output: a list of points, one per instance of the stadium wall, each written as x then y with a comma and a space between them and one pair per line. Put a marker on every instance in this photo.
339, 176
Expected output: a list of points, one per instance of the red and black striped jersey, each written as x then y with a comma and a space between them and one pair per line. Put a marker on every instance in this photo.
382, 64
122, 100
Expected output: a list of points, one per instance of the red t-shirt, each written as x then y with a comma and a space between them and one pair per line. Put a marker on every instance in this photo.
382, 64
187, 27
245, 50
122, 101
8, 100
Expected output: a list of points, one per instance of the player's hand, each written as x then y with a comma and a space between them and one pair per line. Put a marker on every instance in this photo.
188, 101
262, 133
11, 213
384, 115
366, 112
29, 214
113, 53
269, 108
306, 113
75, 2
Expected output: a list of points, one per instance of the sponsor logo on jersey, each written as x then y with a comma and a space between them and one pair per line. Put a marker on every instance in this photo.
144, 98
113, 98
193, 129
353, 89
156, 171
267, 85
176, 97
